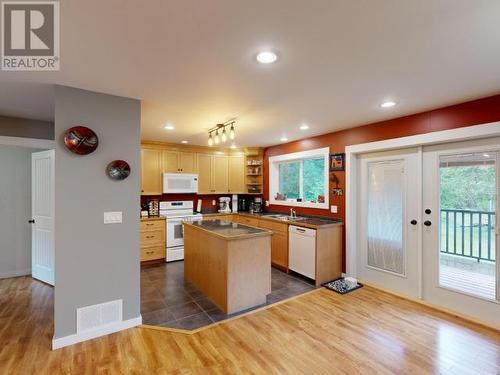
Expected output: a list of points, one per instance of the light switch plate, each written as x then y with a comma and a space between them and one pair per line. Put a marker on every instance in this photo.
267, 203
113, 217
333, 209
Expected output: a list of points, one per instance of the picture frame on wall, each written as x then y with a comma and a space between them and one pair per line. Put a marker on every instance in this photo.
337, 162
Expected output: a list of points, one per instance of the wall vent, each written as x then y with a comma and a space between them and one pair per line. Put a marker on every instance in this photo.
96, 316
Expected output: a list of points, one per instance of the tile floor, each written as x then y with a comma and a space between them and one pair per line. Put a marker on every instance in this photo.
170, 301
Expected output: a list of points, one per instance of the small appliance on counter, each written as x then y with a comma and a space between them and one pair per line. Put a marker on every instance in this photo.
224, 205
234, 203
256, 206
243, 205
199, 205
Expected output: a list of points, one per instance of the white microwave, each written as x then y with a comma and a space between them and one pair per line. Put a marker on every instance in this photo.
180, 183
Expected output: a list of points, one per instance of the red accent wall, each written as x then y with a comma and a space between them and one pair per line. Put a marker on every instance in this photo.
475, 112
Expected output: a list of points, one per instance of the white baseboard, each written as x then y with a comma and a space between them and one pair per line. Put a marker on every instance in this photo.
6, 275
92, 334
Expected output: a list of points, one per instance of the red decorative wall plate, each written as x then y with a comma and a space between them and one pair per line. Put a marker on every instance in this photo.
81, 140
118, 170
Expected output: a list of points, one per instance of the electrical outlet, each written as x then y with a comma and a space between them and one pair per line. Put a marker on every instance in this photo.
267, 203
213, 202
112, 217
333, 209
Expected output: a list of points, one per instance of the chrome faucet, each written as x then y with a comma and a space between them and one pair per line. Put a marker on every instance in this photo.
293, 214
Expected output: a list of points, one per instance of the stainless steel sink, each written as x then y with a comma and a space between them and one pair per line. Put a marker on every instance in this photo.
286, 217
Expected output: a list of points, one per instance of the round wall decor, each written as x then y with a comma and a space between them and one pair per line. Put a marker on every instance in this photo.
118, 170
81, 140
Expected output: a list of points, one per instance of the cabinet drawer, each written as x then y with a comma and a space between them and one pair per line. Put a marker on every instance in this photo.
274, 226
152, 253
248, 221
152, 238
148, 225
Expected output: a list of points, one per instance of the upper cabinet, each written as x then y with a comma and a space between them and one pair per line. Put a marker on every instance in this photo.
236, 173
151, 161
178, 162
217, 173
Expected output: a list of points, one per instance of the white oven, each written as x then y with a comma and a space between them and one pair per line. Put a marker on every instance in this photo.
180, 183
176, 213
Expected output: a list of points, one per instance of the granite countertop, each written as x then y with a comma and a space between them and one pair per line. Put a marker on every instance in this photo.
305, 221
229, 230
152, 218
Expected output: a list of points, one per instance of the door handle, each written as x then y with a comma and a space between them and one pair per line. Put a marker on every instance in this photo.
413, 222
427, 223
32, 221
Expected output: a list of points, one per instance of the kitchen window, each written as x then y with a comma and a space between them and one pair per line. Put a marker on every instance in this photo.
300, 179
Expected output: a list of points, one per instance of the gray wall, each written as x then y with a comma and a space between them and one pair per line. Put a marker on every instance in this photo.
26, 128
95, 262
15, 211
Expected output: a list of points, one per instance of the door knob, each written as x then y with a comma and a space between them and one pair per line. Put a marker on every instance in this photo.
427, 223
413, 222
32, 221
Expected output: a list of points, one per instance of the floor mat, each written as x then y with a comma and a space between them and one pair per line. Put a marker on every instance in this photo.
342, 285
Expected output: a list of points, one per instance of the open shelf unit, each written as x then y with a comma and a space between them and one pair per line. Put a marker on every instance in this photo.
253, 166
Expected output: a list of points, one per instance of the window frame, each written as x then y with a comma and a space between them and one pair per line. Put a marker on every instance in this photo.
274, 162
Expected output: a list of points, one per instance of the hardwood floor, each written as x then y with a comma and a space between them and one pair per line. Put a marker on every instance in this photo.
364, 332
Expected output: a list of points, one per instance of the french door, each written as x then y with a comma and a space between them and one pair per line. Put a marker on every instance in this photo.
427, 219
460, 234
389, 217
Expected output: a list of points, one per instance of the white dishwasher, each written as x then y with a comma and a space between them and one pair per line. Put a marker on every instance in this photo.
302, 251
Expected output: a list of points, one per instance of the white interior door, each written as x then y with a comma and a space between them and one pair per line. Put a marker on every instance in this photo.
389, 196
42, 196
460, 234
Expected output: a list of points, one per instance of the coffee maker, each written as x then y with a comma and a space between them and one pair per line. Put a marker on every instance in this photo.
256, 206
224, 206
243, 205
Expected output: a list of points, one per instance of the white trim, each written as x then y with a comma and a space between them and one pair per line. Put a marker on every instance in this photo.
274, 176
92, 334
6, 275
28, 142
444, 136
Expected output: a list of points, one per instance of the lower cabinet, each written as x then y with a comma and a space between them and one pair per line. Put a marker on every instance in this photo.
152, 239
279, 243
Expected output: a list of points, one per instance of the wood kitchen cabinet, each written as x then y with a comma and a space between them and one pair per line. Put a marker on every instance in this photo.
205, 166
178, 162
213, 174
151, 172
279, 242
236, 174
152, 239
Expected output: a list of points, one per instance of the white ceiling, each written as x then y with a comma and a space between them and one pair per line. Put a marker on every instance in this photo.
192, 63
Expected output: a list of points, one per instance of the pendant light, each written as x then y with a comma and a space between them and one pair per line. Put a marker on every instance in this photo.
210, 140
223, 136
232, 134
216, 138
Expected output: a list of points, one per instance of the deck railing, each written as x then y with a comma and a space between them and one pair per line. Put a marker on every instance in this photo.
468, 233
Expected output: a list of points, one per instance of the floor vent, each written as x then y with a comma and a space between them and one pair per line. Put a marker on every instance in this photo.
96, 316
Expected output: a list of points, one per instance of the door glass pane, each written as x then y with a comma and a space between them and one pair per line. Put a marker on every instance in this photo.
385, 216
467, 223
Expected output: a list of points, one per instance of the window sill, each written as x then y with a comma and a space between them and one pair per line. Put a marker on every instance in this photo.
321, 206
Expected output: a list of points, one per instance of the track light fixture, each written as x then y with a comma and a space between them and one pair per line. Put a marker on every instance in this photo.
224, 135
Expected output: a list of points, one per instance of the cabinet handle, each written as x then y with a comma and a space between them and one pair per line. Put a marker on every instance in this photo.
149, 224
150, 236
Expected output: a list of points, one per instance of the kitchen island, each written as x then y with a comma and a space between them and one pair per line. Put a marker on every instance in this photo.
229, 262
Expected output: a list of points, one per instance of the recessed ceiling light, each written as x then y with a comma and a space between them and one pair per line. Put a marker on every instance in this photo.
233, 146
184, 142
304, 127
388, 104
266, 57
169, 127
284, 139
